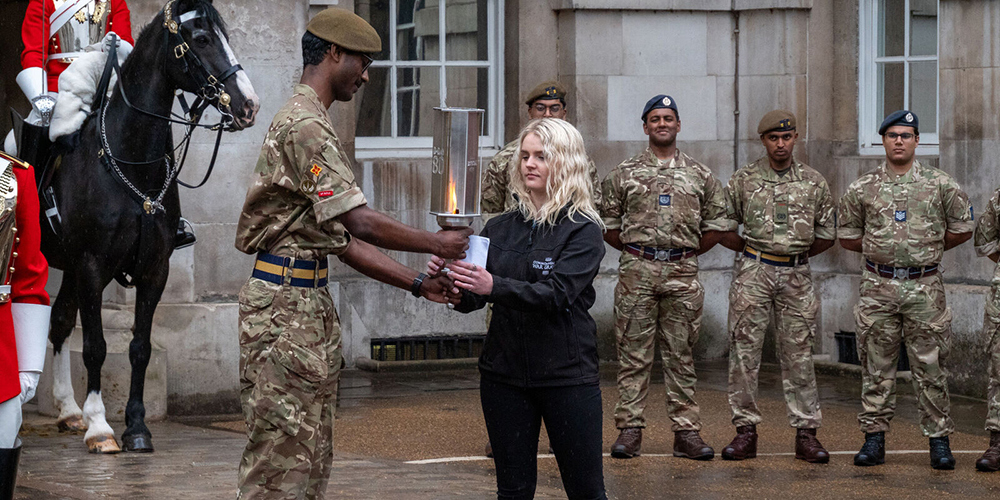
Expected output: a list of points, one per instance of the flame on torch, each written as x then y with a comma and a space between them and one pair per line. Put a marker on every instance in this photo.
452, 198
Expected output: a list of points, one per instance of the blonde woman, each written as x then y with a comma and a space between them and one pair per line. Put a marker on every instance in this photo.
539, 361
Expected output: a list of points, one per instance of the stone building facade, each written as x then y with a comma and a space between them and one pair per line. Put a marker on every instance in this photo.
838, 64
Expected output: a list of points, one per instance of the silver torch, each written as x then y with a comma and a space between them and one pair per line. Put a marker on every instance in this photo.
455, 179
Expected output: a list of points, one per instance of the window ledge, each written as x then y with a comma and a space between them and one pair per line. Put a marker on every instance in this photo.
408, 153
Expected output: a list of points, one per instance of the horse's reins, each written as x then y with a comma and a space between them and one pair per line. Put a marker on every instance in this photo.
211, 90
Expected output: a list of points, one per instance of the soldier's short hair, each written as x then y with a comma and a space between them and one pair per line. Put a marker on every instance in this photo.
314, 49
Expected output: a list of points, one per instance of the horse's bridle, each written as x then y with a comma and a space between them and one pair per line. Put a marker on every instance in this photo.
210, 88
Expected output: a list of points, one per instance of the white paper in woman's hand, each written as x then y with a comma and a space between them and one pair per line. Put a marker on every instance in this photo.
479, 247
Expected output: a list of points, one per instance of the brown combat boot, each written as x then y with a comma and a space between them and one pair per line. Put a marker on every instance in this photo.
808, 448
628, 444
744, 445
990, 461
688, 444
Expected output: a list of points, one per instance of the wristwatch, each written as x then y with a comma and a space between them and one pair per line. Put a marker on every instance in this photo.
417, 282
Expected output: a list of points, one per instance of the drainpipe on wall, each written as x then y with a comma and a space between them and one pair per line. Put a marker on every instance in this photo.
736, 86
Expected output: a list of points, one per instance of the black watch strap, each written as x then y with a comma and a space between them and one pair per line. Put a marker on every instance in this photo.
417, 282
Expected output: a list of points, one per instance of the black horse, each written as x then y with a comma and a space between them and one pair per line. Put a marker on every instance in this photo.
117, 195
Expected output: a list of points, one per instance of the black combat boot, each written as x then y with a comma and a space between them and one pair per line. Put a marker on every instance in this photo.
9, 457
873, 451
941, 457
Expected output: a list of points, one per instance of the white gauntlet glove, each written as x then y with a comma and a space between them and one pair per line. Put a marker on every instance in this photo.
29, 382
31, 332
33, 84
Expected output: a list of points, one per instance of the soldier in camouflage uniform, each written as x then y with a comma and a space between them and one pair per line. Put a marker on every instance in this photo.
987, 241
546, 100
788, 216
661, 208
303, 205
902, 216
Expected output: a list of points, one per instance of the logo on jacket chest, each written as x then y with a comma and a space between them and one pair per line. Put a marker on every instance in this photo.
545, 266
664, 200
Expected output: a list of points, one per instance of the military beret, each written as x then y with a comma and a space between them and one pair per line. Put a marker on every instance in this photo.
901, 117
778, 120
345, 29
661, 101
546, 90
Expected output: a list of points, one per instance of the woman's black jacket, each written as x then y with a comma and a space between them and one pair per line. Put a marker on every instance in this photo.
541, 333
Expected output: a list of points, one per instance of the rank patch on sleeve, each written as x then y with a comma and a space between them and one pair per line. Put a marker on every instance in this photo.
900, 215
316, 169
664, 200
324, 194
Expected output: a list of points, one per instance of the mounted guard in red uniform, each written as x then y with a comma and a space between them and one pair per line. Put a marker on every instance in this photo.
24, 308
54, 33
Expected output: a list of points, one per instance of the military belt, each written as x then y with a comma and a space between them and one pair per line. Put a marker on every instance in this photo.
295, 272
901, 273
665, 254
776, 260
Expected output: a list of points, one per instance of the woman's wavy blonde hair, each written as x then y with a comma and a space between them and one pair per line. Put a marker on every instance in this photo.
568, 185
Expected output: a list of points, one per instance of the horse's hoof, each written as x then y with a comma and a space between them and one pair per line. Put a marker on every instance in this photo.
138, 443
103, 444
72, 423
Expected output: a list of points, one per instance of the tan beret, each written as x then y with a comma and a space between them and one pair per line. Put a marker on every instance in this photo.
778, 120
546, 90
345, 29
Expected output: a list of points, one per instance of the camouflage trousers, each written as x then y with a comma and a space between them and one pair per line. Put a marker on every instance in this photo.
991, 330
657, 301
290, 357
914, 312
758, 290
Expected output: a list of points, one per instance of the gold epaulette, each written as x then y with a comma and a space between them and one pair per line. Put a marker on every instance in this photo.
16, 161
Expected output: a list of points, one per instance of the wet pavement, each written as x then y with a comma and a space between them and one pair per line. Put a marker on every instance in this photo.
420, 435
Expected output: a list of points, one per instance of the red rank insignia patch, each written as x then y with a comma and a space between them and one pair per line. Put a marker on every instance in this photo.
316, 169
324, 194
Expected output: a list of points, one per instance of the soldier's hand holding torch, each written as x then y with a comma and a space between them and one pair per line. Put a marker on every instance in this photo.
453, 242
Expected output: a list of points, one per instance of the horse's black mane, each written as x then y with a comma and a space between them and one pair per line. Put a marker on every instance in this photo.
206, 7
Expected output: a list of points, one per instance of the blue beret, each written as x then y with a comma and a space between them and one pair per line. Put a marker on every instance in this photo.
902, 117
661, 101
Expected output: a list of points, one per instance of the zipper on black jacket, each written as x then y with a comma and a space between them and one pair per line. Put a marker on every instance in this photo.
522, 314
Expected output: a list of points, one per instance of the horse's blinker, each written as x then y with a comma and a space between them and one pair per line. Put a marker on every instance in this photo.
213, 88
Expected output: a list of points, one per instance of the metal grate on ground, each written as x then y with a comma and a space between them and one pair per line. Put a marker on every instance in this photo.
424, 348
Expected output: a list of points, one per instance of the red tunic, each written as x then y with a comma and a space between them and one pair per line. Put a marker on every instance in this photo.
27, 283
38, 43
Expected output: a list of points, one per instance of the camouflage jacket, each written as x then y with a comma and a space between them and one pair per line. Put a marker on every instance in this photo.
987, 235
498, 198
781, 214
902, 219
302, 182
664, 206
